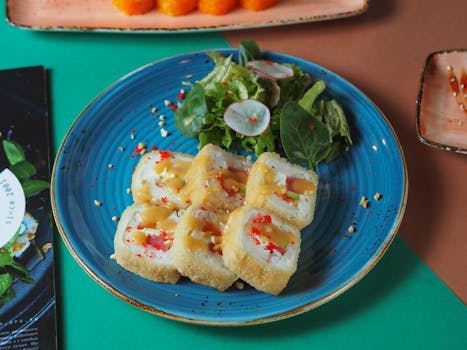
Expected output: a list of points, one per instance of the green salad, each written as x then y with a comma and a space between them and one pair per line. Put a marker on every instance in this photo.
292, 115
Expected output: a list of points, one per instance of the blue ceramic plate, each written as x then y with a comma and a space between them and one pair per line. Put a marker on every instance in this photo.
96, 159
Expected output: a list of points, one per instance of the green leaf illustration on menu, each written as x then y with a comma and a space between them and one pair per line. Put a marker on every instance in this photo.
10, 269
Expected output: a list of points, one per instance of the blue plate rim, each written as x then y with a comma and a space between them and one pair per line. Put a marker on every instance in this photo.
260, 320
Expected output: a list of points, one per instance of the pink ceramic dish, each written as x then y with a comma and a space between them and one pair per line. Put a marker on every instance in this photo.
102, 15
442, 101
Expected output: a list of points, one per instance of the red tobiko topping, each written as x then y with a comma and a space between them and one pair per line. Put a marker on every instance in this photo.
262, 219
157, 241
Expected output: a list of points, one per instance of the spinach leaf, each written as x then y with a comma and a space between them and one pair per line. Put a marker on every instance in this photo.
189, 117
248, 50
304, 137
14, 152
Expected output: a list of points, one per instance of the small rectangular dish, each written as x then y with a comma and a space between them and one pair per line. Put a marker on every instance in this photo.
442, 101
101, 15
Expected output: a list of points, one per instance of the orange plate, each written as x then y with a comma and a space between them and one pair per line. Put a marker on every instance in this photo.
103, 16
441, 122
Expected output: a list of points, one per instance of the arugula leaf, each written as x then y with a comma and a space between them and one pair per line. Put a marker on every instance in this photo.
304, 137
336, 120
248, 50
189, 117
14, 152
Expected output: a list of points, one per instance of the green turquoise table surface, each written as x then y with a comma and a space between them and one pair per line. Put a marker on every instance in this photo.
400, 304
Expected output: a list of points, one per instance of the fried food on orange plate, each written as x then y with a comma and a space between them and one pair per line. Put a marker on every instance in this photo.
177, 7
257, 5
216, 7
134, 7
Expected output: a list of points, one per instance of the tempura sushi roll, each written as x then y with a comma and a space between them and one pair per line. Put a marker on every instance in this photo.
159, 178
288, 190
143, 242
260, 248
217, 179
197, 248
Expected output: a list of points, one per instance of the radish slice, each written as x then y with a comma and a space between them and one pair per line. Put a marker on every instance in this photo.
271, 70
247, 117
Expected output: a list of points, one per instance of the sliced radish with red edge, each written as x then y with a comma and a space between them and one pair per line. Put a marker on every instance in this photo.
271, 70
247, 117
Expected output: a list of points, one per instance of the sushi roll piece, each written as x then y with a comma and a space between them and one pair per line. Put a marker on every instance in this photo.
159, 178
197, 248
260, 248
143, 242
217, 179
288, 190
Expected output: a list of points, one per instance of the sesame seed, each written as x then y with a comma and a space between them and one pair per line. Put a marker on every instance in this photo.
97, 203
239, 285
377, 196
364, 202
128, 190
161, 123
121, 148
351, 229
110, 166
154, 110
167, 103
114, 218
112, 256
164, 132
162, 117
132, 136
449, 67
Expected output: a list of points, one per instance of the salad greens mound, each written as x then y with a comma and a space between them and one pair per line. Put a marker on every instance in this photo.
304, 125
